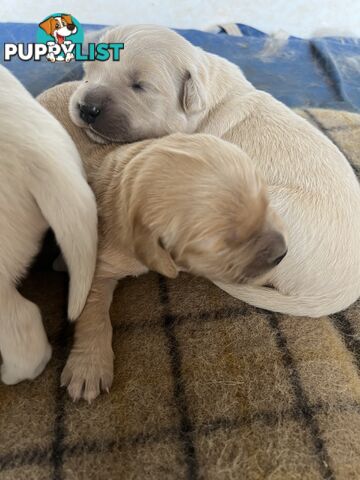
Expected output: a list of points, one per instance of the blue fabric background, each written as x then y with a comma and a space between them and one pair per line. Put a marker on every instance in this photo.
321, 72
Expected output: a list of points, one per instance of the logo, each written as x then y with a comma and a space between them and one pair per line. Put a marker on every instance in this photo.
60, 38
60, 33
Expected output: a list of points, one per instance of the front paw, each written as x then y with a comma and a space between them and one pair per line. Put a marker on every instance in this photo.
87, 373
25, 368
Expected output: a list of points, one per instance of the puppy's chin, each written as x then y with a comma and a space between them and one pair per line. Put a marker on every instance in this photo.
96, 138
103, 139
93, 135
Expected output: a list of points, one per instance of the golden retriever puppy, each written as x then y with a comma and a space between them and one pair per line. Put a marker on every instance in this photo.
42, 184
163, 84
182, 202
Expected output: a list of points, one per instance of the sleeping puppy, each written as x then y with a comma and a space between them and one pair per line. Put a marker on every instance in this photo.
163, 84
42, 183
183, 202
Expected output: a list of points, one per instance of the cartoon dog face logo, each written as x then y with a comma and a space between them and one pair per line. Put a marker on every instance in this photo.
60, 28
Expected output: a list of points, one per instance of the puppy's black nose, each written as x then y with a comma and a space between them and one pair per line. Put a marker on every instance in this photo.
278, 259
88, 113
71, 26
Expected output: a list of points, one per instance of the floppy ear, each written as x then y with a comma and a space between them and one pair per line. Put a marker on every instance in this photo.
150, 252
46, 25
194, 100
67, 18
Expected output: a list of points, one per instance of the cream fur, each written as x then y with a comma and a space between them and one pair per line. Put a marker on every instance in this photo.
41, 183
183, 202
311, 184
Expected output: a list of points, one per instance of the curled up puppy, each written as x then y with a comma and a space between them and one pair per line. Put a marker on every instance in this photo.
163, 84
182, 202
42, 184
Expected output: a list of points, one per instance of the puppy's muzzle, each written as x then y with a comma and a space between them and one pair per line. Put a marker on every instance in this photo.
88, 113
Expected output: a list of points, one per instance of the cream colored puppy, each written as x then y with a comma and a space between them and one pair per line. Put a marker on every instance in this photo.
163, 84
183, 202
42, 183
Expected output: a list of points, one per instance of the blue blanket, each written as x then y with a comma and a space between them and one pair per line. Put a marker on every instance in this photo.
320, 72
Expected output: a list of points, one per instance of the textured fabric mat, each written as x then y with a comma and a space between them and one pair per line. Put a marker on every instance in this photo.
205, 386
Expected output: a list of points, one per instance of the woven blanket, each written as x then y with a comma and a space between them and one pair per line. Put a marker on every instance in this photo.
205, 387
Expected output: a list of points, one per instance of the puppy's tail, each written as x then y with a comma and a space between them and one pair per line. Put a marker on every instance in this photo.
68, 204
270, 299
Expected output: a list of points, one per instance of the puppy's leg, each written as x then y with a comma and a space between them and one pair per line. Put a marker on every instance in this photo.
89, 368
23, 343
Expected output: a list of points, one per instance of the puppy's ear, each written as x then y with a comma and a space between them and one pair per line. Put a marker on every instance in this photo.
194, 100
46, 25
150, 251
67, 19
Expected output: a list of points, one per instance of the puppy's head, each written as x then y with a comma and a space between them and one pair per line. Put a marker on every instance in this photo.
200, 206
158, 87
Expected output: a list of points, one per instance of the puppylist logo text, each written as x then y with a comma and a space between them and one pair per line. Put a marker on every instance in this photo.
60, 39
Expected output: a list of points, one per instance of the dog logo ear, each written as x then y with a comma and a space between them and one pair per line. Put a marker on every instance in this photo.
68, 19
46, 25
193, 100
150, 251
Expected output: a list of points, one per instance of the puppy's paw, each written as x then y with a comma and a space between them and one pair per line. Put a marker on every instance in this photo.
25, 348
87, 374
15, 371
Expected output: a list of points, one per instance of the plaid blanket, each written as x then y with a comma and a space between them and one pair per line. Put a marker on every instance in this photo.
205, 386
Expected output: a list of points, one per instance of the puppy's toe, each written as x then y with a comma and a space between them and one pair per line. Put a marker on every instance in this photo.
75, 389
65, 377
106, 382
92, 389
73, 382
